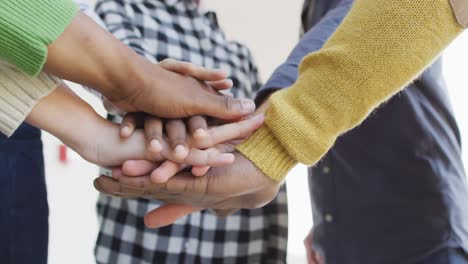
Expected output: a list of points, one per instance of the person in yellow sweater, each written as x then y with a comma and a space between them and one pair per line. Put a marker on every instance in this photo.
380, 47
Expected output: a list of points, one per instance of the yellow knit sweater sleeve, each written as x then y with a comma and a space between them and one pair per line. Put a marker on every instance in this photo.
380, 47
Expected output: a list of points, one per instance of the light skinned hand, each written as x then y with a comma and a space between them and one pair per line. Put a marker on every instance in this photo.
105, 148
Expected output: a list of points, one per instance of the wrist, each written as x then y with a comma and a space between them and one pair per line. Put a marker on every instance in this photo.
98, 60
124, 80
127, 88
83, 132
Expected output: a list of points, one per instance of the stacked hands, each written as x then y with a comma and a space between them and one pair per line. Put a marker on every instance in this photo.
190, 163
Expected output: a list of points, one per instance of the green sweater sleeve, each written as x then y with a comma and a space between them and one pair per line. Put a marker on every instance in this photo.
28, 26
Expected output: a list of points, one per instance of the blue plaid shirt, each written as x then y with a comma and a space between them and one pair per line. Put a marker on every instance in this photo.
392, 190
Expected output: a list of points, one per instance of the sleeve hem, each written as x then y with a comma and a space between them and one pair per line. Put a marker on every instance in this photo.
19, 94
28, 27
267, 153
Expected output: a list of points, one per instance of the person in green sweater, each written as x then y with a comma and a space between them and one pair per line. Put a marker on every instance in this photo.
380, 47
53, 36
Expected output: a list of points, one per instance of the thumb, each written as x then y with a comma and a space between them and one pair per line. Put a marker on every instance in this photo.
168, 214
225, 107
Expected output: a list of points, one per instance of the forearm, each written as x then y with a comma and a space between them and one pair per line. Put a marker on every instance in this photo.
87, 54
379, 48
76, 124
64, 115
27, 27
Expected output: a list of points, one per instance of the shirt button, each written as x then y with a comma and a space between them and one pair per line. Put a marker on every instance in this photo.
326, 170
328, 218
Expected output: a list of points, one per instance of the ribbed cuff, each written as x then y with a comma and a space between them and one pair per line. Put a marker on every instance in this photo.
19, 93
267, 153
28, 26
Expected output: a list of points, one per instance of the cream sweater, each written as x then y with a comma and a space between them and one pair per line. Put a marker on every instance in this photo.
18, 95
381, 46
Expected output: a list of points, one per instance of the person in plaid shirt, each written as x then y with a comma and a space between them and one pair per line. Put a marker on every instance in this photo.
180, 29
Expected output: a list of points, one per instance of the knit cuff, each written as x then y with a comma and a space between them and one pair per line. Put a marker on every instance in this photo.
19, 93
267, 153
28, 26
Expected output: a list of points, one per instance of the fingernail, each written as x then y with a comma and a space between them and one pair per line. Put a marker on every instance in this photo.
248, 106
200, 133
155, 146
126, 130
180, 151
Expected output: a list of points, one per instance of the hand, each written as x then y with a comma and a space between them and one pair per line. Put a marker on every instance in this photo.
214, 78
131, 82
240, 185
97, 141
197, 126
176, 128
193, 142
313, 257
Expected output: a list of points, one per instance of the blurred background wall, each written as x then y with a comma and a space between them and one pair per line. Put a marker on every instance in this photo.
270, 28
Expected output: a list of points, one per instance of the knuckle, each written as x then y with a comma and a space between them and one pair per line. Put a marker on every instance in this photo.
189, 68
197, 122
198, 159
224, 148
128, 116
239, 131
177, 140
227, 103
175, 125
167, 62
211, 156
201, 143
151, 120
155, 156
170, 125
245, 127
150, 134
189, 159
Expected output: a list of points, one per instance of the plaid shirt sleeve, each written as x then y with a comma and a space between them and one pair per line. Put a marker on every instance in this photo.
113, 13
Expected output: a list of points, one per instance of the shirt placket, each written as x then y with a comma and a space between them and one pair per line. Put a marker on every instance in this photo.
327, 203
